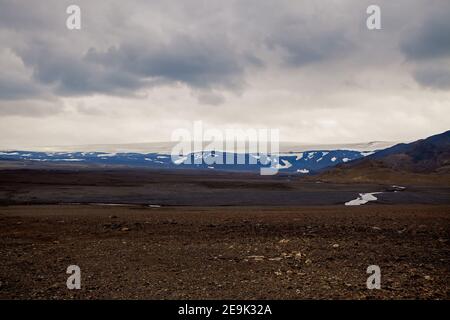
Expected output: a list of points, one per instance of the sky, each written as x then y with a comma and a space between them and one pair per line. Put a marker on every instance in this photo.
138, 70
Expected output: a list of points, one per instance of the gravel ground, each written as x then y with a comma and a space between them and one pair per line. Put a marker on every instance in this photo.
136, 252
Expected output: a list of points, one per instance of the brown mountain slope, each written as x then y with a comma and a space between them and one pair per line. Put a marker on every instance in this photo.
423, 162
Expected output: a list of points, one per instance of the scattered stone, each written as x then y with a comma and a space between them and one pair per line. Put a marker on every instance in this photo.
256, 258
275, 259
112, 226
293, 254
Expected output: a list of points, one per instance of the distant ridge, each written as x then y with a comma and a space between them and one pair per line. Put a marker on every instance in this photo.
426, 160
166, 147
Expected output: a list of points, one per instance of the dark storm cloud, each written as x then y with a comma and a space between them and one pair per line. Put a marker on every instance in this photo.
24, 16
428, 47
302, 44
70, 74
122, 70
138, 69
73, 63
300, 53
199, 64
183, 45
431, 40
14, 89
204, 59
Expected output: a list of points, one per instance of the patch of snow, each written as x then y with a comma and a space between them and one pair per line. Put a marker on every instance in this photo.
367, 153
333, 159
362, 199
162, 157
179, 160
103, 154
286, 165
346, 159
109, 204
9, 153
303, 170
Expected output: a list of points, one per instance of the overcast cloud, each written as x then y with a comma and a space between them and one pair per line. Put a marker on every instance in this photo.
139, 69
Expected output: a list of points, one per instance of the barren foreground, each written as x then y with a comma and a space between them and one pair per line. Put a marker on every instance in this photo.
224, 252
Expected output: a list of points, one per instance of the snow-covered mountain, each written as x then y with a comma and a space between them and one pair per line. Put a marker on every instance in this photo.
295, 159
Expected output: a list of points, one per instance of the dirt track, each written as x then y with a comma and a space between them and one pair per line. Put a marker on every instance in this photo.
225, 252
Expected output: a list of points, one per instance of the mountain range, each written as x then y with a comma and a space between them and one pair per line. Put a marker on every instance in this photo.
301, 162
372, 161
